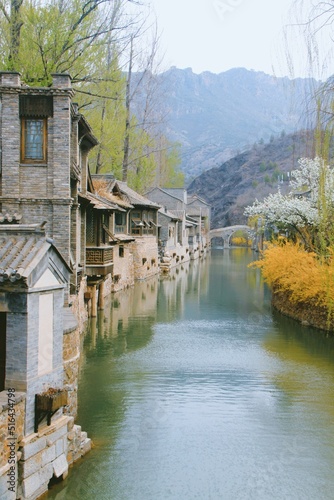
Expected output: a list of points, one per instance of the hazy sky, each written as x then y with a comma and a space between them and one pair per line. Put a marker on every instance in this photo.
217, 35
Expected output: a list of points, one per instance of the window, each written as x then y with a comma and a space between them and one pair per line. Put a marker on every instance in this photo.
33, 140
120, 219
121, 251
120, 222
91, 228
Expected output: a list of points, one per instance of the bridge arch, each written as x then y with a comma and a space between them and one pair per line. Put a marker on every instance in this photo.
227, 232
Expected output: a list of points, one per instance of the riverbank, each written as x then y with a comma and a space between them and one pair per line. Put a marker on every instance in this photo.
308, 314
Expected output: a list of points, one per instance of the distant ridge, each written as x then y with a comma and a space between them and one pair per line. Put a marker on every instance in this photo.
250, 175
215, 116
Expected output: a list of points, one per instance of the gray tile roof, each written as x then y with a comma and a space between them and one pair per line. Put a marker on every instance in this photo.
136, 198
21, 249
172, 214
99, 202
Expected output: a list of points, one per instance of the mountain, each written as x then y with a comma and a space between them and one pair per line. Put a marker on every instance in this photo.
249, 175
215, 116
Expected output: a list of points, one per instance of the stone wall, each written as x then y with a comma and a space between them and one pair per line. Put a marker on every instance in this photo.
48, 454
78, 306
145, 257
71, 361
124, 273
309, 314
27, 464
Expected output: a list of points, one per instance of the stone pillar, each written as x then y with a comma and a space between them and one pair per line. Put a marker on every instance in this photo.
10, 134
94, 302
60, 162
10, 79
61, 81
101, 295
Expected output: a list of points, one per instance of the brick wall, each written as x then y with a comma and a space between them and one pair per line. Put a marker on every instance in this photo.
40, 192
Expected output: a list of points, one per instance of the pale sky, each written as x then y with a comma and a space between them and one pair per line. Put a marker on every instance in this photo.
216, 35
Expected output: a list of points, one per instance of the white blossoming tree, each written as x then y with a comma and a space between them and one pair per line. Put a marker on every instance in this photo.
307, 210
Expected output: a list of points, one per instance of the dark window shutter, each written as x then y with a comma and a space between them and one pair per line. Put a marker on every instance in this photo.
36, 106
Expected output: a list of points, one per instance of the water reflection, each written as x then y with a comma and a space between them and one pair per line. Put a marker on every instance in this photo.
308, 374
191, 387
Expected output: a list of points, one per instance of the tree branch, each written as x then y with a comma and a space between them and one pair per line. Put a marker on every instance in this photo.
4, 11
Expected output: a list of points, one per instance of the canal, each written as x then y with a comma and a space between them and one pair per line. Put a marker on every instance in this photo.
191, 387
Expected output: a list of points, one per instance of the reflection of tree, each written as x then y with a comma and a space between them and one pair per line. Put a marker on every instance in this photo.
231, 282
308, 358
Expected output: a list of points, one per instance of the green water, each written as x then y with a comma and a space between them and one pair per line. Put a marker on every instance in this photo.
193, 388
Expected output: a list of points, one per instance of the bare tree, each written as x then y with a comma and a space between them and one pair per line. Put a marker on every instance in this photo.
309, 49
127, 116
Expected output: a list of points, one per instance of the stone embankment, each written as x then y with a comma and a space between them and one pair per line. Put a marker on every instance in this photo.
308, 314
27, 467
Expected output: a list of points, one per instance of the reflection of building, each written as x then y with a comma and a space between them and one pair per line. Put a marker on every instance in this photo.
118, 324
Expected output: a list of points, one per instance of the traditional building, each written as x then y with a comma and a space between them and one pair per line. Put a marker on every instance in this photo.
173, 226
183, 224
37, 438
133, 232
199, 211
44, 148
44, 144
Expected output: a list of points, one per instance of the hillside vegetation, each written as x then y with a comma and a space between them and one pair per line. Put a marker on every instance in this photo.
250, 175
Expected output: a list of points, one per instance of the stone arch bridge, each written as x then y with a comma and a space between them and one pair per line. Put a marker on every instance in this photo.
227, 232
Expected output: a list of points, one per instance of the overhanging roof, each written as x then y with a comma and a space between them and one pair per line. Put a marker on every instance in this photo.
22, 248
99, 202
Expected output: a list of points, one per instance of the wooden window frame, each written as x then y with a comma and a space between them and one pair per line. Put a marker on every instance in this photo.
23, 142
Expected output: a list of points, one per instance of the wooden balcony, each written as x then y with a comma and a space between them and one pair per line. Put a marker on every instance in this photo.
99, 260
